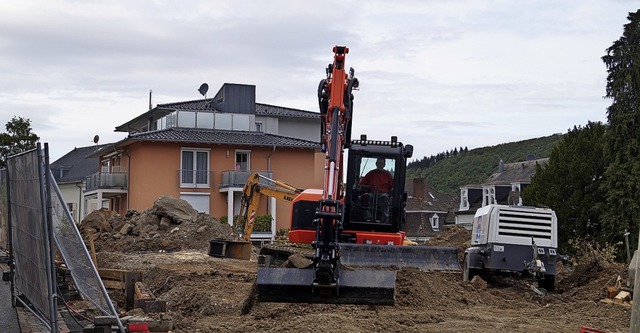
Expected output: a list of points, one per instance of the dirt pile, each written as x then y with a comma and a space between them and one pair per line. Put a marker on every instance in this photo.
171, 224
453, 236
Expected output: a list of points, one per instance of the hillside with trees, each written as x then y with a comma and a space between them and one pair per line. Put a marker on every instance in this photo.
446, 172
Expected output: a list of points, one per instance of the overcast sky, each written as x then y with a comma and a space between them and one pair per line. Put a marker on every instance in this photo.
438, 74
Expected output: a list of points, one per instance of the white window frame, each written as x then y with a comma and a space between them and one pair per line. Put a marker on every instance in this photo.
194, 183
435, 222
248, 153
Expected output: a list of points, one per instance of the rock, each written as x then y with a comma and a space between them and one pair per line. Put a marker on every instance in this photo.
105, 226
97, 217
478, 283
126, 229
297, 261
165, 223
178, 210
202, 229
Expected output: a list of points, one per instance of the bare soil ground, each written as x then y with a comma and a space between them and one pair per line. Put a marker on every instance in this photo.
208, 294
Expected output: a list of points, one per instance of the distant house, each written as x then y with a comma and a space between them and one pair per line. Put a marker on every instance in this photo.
427, 211
70, 172
204, 150
502, 187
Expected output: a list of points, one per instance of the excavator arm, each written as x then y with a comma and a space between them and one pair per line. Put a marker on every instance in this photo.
255, 187
327, 282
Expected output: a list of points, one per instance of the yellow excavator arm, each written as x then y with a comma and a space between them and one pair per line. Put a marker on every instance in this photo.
256, 186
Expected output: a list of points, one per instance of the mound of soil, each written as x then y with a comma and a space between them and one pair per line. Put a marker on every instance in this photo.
170, 225
453, 236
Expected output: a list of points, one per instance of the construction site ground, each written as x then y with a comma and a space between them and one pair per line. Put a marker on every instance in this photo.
211, 294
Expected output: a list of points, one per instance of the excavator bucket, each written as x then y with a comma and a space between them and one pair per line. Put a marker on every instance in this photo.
293, 285
425, 258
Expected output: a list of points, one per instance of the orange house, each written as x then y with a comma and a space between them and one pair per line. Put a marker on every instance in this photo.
204, 150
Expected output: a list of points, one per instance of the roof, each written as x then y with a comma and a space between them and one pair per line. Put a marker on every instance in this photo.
279, 111
162, 110
218, 137
516, 172
75, 166
425, 198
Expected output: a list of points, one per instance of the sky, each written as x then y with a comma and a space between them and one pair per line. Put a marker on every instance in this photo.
437, 74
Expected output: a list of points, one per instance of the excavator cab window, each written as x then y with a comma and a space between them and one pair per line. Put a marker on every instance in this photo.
372, 191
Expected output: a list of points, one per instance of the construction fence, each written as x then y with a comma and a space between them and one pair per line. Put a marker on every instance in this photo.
35, 226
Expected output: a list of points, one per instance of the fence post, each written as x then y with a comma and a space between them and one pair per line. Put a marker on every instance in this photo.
635, 309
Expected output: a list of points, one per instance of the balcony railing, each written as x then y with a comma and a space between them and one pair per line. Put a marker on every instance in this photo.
106, 180
234, 178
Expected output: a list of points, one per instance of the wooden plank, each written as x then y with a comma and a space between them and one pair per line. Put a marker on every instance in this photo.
151, 306
92, 248
111, 284
112, 274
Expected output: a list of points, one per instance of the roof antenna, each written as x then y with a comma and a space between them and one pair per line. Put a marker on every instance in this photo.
96, 138
150, 105
203, 90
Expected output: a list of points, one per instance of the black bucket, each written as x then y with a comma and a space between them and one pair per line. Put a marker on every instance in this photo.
292, 285
425, 258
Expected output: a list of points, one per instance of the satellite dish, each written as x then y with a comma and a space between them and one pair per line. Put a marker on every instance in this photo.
96, 138
203, 89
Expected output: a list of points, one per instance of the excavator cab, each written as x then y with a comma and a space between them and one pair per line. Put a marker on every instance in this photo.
375, 196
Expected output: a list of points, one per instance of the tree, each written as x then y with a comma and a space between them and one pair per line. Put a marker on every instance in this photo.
622, 176
570, 184
18, 138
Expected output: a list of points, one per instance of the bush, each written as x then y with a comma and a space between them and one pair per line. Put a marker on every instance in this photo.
262, 223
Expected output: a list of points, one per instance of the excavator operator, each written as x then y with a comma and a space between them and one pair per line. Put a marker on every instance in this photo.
377, 185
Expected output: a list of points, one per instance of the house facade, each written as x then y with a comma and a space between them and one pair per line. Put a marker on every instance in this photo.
204, 150
503, 187
70, 172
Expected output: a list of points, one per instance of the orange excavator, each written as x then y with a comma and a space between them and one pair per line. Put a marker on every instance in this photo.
352, 227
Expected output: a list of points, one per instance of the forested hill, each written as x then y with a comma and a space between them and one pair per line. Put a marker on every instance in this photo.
476, 165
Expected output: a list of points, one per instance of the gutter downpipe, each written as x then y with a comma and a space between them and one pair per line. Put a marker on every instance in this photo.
272, 200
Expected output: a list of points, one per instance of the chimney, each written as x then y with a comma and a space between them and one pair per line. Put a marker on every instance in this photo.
420, 188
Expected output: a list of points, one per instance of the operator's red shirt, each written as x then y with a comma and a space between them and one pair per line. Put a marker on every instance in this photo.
379, 180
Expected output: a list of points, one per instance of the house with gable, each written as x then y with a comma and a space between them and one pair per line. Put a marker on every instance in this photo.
203, 151
502, 187
70, 172
427, 212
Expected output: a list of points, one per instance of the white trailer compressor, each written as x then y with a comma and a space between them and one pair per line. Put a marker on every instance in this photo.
513, 240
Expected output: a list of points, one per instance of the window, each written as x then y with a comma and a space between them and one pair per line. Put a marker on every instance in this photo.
435, 222
194, 169
242, 160
258, 127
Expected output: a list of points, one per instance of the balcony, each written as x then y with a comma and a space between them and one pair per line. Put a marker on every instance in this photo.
106, 180
234, 178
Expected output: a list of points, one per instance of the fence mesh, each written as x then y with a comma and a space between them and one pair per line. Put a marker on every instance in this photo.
32, 270
4, 213
39, 218
74, 252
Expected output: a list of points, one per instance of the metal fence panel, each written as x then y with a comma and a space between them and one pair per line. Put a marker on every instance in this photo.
29, 232
75, 254
39, 218
4, 212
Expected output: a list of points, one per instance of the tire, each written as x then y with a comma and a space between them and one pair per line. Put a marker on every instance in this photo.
547, 283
